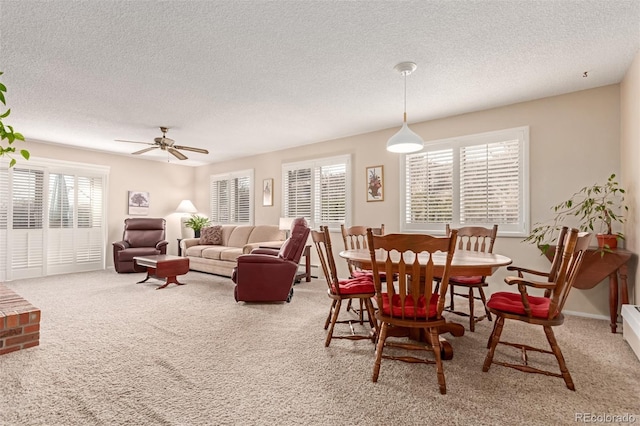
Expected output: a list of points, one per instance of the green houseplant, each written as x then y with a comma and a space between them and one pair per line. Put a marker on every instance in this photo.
196, 223
596, 207
7, 135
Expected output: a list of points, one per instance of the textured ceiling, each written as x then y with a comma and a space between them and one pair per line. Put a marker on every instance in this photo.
246, 77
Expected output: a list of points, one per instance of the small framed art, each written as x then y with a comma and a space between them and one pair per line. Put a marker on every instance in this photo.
138, 203
375, 183
267, 192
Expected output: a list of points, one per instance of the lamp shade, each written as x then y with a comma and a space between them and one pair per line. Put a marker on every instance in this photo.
285, 223
406, 140
186, 206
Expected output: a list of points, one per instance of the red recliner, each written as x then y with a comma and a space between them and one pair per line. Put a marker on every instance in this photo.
141, 237
267, 275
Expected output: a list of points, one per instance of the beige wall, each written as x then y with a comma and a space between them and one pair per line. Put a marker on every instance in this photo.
574, 141
629, 154
167, 184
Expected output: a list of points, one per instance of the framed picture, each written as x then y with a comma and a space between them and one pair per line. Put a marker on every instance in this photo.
375, 183
267, 192
138, 203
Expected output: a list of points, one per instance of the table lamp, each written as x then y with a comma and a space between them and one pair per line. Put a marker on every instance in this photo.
285, 224
186, 207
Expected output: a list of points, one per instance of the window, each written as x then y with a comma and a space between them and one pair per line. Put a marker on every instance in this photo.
232, 198
472, 180
318, 190
52, 218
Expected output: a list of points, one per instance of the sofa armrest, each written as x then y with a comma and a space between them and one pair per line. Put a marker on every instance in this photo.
162, 244
274, 245
188, 242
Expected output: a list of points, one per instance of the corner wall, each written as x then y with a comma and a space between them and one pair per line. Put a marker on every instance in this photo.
629, 156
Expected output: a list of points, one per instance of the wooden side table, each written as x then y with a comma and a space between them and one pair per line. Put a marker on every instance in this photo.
598, 265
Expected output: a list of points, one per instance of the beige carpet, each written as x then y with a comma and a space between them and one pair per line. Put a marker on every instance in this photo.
116, 353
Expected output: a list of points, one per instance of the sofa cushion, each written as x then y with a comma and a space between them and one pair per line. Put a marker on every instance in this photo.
211, 235
213, 252
230, 254
239, 236
262, 233
195, 251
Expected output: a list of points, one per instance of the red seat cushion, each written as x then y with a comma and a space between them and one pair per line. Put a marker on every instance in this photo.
409, 307
383, 275
512, 302
362, 284
466, 280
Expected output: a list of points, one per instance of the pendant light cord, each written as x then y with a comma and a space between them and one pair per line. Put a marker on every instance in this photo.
405, 96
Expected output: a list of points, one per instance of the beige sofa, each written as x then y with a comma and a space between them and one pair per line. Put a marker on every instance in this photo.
236, 240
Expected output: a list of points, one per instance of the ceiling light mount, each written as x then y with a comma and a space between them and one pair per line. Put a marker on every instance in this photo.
405, 140
405, 68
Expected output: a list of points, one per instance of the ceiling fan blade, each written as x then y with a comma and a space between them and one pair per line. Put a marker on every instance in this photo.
189, 148
177, 154
142, 151
146, 143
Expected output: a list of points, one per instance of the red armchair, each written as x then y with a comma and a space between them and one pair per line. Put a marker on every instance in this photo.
141, 237
267, 275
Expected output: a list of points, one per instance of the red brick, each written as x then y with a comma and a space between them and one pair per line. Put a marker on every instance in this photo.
31, 328
11, 349
31, 344
34, 317
11, 332
22, 339
24, 318
12, 321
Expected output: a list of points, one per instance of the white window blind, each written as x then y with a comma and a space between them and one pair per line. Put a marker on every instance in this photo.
231, 198
53, 217
319, 190
473, 180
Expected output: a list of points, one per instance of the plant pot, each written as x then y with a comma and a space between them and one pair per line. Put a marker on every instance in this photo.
196, 233
607, 240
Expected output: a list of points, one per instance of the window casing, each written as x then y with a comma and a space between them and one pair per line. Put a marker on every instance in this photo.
231, 197
477, 180
318, 190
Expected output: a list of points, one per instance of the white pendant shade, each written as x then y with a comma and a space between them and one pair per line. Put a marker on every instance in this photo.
406, 140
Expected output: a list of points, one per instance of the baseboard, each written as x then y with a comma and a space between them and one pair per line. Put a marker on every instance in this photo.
631, 327
585, 315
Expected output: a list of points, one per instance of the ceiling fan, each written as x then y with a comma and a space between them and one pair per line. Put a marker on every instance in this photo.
166, 144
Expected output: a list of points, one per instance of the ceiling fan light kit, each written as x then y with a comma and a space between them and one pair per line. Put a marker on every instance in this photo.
405, 141
166, 144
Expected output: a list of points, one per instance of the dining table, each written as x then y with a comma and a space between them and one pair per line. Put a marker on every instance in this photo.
464, 263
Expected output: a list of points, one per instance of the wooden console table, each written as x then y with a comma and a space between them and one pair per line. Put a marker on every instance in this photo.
596, 267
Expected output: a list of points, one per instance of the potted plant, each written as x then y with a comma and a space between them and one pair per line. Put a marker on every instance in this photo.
7, 133
196, 223
596, 207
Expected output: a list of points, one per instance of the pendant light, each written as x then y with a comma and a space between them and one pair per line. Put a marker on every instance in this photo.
405, 140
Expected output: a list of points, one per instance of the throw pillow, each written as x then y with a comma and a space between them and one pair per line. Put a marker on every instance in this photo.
211, 235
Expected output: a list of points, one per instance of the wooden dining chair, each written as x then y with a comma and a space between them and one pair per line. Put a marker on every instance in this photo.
479, 239
409, 302
538, 310
354, 238
360, 288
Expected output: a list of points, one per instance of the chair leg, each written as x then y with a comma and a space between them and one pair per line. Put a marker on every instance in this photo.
451, 292
381, 339
372, 320
334, 318
491, 335
495, 338
558, 353
328, 320
484, 303
435, 344
472, 318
